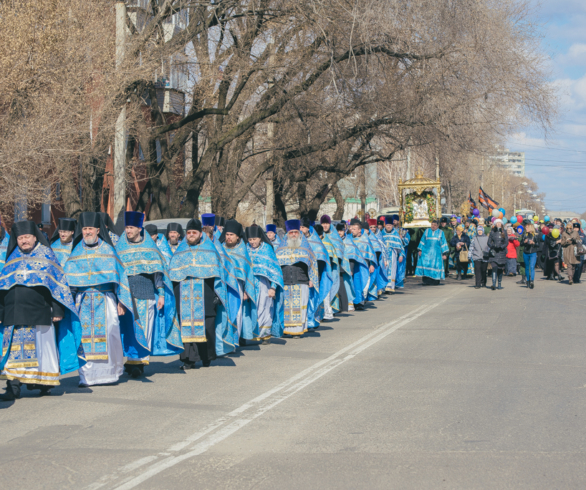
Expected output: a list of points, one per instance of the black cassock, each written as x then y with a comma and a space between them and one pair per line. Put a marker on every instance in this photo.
201, 351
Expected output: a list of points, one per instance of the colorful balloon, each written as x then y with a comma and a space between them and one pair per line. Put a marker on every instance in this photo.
504, 220
495, 213
502, 210
519, 219
476, 212
555, 233
536, 218
513, 219
545, 230
501, 215
546, 219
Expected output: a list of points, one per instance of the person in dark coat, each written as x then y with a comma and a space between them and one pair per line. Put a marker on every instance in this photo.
460, 242
497, 244
553, 251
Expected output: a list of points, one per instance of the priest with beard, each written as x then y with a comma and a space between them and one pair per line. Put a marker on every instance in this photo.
300, 275
152, 294
203, 299
235, 248
174, 235
100, 287
41, 334
268, 281
160, 241
62, 239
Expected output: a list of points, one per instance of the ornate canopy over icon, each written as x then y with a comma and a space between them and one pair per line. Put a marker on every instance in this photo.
419, 204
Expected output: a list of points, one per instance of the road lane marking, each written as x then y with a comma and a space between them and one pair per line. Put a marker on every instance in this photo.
227, 425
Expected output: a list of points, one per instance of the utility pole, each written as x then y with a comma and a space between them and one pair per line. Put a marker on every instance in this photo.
120, 130
408, 162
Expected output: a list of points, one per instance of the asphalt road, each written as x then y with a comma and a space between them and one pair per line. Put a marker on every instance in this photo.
434, 387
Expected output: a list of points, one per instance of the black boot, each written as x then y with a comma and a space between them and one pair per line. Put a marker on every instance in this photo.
459, 278
500, 281
522, 281
531, 285
493, 287
12, 391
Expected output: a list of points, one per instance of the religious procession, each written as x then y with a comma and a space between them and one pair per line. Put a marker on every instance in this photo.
101, 303
91, 301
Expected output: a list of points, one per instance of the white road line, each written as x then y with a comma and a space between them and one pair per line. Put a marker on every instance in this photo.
271, 398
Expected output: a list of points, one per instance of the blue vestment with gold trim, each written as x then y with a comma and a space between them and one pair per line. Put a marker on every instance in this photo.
243, 269
190, 265
432, 245
146, 258
361, 273
290, 256
164, 247
265, 264
365, 246
41, 268
98, 269
62, 252
315, 310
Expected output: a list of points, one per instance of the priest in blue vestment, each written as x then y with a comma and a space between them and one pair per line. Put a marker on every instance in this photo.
99, 285
405, 238
316, 310
345, 293
300, 277
40, 329
174, 235
360, 232
433, 250
396, 251
268, 280
152, 293
382, 256
204, 299
335, 266
271, 232
361, 269
62, 239
233, 241
160, 242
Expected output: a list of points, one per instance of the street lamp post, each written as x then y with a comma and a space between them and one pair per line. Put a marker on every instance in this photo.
515, 194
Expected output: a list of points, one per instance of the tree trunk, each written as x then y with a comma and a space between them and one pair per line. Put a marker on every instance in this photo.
70, 196
339, 214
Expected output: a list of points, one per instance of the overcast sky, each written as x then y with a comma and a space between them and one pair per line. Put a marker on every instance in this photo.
558, 164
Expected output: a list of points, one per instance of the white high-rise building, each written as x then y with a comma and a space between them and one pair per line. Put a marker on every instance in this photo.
513, 161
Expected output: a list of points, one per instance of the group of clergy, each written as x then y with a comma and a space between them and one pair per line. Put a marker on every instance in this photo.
93, 301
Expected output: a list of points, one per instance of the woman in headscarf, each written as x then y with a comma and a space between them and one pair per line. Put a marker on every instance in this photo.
460, 242
479, 256
497, 243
